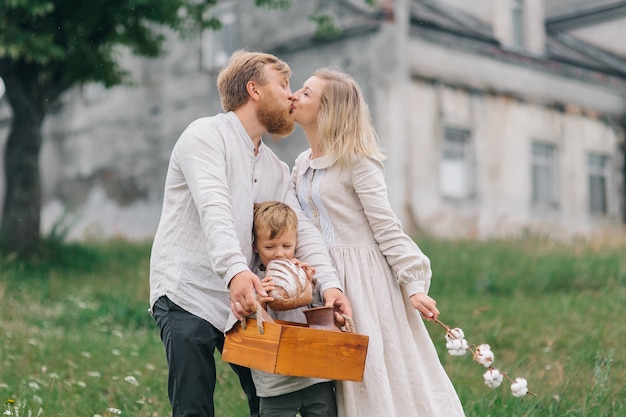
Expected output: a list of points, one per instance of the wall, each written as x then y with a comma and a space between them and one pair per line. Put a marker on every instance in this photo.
502, 131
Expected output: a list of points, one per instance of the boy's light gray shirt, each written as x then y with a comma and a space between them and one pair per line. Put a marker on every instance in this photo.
272, 385
204, 236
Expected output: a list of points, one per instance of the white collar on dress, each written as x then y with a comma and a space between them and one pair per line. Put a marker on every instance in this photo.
321, 162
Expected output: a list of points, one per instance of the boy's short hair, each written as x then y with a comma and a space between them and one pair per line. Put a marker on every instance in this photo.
275, 217
245, 66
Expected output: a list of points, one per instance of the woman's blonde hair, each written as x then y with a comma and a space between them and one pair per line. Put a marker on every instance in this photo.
245, 66
345, 125
275, 217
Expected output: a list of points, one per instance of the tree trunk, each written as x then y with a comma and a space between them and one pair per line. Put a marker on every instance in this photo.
19, 227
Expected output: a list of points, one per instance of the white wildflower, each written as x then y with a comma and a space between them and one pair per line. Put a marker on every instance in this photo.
33, 385
114, 410
484, 355
131, 380
493, 378
519, 388
94, 374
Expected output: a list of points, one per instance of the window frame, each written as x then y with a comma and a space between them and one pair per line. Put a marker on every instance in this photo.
465, 148
603, 172
518, 24
544, 197
213, 58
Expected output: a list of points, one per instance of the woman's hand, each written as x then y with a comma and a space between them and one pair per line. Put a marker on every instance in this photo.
425, 305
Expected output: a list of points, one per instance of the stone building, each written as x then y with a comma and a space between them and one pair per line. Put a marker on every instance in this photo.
498, 117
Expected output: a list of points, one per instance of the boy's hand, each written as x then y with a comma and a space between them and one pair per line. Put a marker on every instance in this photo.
268, 285
308, 270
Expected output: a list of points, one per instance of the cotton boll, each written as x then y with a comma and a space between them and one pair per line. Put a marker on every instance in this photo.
519, 388
493, 378
484, 355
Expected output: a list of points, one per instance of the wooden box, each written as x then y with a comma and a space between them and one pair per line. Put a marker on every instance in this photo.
294, 349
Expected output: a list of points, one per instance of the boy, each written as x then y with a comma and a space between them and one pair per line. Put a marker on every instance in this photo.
275, 236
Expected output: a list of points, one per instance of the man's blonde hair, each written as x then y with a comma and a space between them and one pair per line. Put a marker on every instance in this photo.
275, 217
345, 125
245, 66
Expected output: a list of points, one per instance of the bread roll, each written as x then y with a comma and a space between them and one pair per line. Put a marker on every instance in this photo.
293, 288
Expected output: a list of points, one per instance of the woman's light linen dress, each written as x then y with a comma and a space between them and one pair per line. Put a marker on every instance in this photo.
379, 266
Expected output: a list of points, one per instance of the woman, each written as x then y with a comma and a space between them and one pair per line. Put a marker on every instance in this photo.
340, 185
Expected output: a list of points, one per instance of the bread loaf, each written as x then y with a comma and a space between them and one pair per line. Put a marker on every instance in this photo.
293, 288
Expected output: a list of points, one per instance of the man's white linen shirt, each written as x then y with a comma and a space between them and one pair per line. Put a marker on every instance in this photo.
204, 236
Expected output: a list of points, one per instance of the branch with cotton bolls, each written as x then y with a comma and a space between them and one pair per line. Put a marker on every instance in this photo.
458, 346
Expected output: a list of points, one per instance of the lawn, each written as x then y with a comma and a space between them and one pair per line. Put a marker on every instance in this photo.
78, 341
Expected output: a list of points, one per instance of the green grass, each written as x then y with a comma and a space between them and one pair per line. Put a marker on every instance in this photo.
77, 339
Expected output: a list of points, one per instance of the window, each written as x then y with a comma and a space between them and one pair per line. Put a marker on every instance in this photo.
598, 168
217, 46
455, 171
544, 175
517, 23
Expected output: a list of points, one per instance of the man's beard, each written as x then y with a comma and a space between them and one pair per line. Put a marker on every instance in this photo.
275, 118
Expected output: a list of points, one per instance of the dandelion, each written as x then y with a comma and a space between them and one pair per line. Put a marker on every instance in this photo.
10, 403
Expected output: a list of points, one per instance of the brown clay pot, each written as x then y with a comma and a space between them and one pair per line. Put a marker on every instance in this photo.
321, 318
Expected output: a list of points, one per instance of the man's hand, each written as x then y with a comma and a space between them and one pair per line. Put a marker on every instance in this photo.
242, 293
334, 297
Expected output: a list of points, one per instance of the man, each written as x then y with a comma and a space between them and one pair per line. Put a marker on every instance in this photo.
202, 251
